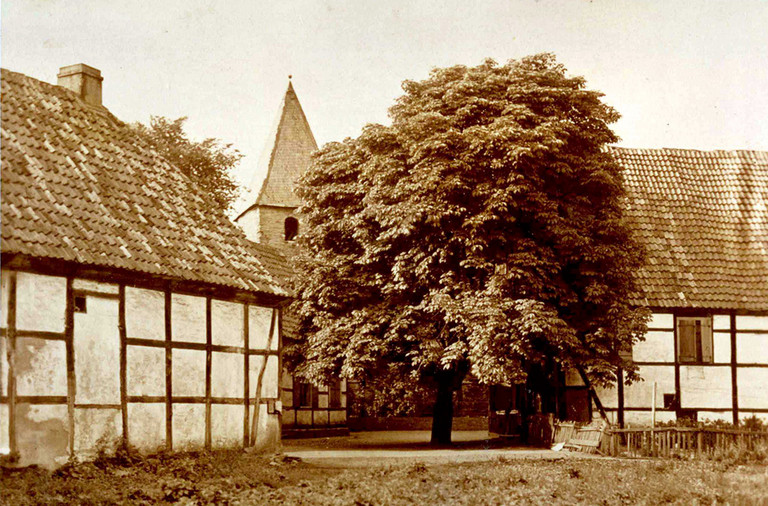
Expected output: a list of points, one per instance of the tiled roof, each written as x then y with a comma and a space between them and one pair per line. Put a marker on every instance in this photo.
79, 185
703, 216
286, 157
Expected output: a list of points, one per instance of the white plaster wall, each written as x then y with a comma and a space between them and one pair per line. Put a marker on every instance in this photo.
4, 276
188, 373
146, 426
268, 433
97, 429
5, 445
97, 353
42, 434
144, 313
269, 383
662, 321
259, 321
659, 346
753, 387
644, 418
188, 426
227, 323
705, 386
748, 414
304, 417
287, 398
188, 318
95, 286
227, 425
321, 417
286, 379
40, 302
640, 394
721, 322
725, 416
322, 401
752, 322
41, 367
3, 365
145, 371
608, 396
338, 417
227, 370
721, 343
249, 222
751, 348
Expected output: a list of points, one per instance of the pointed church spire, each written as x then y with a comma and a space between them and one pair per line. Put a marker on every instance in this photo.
286, 157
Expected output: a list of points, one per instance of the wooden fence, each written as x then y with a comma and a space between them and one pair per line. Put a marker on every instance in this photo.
679, 441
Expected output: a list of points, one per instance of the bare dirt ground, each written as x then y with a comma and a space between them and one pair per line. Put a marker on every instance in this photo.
365, 449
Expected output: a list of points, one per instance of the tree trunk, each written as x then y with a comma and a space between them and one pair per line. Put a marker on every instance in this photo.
442, 415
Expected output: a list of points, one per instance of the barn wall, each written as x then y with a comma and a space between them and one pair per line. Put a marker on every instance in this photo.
730, 388
183, 371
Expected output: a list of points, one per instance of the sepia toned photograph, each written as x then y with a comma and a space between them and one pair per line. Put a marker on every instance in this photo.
326, 252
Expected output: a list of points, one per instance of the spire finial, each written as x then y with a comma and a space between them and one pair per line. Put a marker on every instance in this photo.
290, 76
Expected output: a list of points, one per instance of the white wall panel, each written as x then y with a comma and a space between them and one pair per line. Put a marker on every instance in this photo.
227, 323
188, 318
97, 352
145, 313
40, 302
705, 386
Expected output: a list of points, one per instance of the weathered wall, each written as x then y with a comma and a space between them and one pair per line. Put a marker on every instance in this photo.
708, 388
79, 384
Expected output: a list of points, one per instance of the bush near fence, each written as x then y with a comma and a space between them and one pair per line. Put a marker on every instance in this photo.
715, 440
684, 438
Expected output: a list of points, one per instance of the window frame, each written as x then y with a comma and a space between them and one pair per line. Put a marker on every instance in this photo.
700, 349
290, 229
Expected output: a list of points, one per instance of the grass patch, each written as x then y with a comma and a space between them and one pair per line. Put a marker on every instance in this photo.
236, 477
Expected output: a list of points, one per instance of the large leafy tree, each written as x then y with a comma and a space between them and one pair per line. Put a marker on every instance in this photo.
209, 162
482, 231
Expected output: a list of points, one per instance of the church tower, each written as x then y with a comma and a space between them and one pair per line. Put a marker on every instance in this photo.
269, 214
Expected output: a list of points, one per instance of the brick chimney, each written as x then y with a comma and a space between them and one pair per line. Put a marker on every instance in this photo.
83, 80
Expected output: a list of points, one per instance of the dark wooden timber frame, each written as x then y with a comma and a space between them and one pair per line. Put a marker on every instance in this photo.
168, 345
11, 384
208, 357
733, 364
123, 364
678, 398
69, 332
123, 279
246, 375
734, 380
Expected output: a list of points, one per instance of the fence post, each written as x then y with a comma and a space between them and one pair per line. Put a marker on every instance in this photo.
699, 443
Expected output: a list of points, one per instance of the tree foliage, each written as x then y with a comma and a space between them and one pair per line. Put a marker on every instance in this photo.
482, 231
209, 162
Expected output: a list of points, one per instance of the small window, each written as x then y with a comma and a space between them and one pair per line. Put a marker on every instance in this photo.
304, 394
334, 394
291, 228
694, 340
80, 304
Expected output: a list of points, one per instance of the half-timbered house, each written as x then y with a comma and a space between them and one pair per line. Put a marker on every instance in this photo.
133, 311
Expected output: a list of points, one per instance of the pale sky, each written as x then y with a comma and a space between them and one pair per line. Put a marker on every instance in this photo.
684, 74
